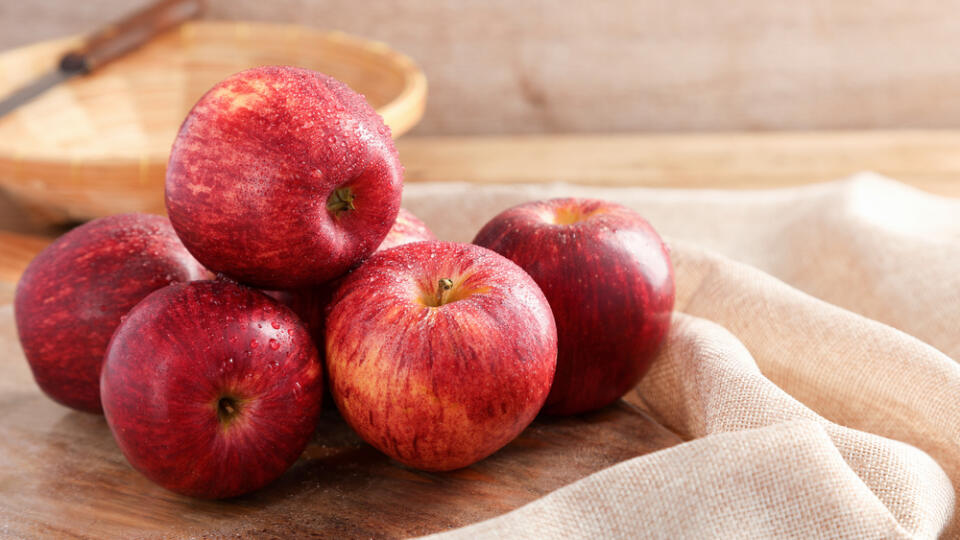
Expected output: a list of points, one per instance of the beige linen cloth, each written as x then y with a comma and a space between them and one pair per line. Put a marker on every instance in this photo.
811, 366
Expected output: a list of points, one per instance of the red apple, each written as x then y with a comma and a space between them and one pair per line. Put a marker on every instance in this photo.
72, 295
283, 178
406, 229
439, 354
310, 305
609, 280
211, 389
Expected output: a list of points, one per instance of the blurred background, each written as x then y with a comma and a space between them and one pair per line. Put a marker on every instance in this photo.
539, 66
656, 93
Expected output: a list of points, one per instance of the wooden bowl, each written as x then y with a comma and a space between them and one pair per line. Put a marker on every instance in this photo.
98, 145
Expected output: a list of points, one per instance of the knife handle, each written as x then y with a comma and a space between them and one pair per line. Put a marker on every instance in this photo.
127, 34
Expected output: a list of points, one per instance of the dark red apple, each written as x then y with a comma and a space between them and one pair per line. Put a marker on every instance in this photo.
439, 354
72, 295
283, 178
211, 389
310, 305
609, 280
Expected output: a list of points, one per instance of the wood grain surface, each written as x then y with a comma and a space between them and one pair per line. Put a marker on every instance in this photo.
502, 66
927, 159
62, 475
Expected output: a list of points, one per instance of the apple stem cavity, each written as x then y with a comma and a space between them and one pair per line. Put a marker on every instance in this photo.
341, 201
226, 409
443, 287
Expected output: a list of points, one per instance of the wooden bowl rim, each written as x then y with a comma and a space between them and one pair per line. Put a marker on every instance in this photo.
412, 97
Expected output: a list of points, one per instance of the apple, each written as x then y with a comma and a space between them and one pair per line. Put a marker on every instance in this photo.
406, 229
211, 389
282, 178
310, 305
72, 295
439, 353
609, 280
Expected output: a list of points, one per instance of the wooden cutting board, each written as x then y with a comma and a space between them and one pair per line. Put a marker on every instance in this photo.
61, 474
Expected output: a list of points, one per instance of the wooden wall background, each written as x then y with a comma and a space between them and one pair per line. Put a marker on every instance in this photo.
509, 66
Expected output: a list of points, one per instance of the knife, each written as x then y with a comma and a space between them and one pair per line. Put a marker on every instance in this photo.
107, 44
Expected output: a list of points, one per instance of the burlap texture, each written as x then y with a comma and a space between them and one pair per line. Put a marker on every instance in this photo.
810, 365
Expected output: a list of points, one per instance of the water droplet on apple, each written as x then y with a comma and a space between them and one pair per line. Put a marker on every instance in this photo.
275, 325
274, 364
274, 344
297, 390
254, 344
226, 365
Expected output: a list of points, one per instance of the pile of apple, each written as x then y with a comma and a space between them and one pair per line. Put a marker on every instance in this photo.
287, 265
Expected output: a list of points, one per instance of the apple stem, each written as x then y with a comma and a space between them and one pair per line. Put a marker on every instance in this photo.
341, 200
443, 286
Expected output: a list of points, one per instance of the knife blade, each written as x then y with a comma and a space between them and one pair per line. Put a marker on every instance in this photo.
33, 89
105, 45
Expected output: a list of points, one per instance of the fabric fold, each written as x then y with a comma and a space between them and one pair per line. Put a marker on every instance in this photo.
760, 465
809, 366
721, 486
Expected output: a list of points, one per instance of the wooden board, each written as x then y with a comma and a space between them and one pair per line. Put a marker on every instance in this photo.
62, 475
927, 159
